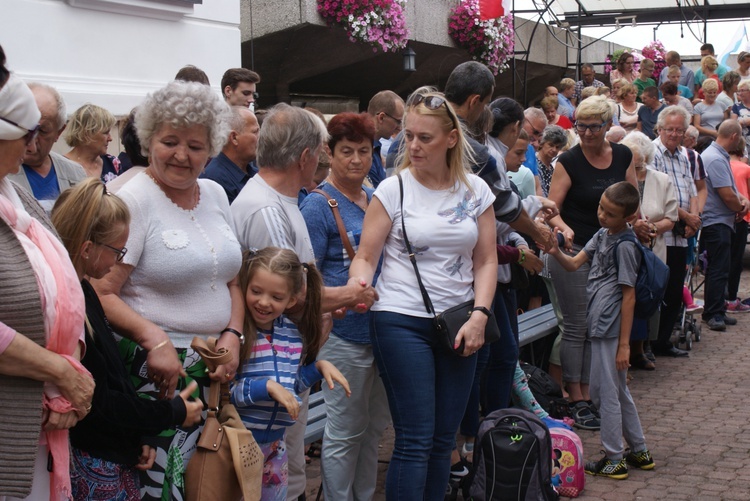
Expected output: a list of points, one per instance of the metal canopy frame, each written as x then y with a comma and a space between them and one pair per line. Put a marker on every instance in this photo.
613, 13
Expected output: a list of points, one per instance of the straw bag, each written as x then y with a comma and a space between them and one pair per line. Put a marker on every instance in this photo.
227, 464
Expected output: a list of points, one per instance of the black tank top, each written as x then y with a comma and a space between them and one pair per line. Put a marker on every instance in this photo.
586, 188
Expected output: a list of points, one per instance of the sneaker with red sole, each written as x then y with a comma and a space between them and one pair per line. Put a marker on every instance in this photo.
737, 306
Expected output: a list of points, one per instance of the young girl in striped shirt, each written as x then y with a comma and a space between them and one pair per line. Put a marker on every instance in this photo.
279, 356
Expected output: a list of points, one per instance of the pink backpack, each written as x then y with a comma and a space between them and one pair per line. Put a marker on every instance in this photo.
567, 462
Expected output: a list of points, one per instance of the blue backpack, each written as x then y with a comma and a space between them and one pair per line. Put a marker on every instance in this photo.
653, 276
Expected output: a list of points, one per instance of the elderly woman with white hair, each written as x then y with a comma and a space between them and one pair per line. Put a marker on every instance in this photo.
658, 214
178, 278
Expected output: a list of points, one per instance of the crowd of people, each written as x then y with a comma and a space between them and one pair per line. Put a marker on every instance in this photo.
318, 250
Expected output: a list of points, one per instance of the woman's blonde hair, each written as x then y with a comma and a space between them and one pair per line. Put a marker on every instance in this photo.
625, 89
710, 84
86, 122
88, 212
299, 276
460, 156
549, 103
710, 63
595, 107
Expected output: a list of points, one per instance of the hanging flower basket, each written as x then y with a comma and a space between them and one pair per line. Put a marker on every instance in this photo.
379, 23
490, 42
658, 54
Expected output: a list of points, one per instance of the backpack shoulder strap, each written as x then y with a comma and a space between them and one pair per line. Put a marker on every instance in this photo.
627, 237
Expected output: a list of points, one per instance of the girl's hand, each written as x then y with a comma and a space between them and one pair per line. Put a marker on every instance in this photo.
531, 262
472, 333
147, 457
284, 397
193, 408
331, 373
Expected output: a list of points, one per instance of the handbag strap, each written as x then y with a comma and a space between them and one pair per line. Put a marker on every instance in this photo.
212, 358
412, 257
334, 205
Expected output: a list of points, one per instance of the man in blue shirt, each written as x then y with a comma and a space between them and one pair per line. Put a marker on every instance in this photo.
723, 204
687, 78
649, 112
231, 168
387, 110
44, 173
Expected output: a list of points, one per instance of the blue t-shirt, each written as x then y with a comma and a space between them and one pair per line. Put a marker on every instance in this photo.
718, 175
330, 255
377, 171
229, 175
530, 161
45, 189
647, 118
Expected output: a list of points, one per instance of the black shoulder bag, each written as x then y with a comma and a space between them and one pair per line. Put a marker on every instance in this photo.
449, 322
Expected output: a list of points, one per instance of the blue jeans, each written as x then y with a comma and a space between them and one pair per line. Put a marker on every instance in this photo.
427, 387
503, 353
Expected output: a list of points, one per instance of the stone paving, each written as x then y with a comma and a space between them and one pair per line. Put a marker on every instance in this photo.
694, 413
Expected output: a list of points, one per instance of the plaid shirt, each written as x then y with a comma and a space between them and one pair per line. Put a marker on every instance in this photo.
580, 85
677, 167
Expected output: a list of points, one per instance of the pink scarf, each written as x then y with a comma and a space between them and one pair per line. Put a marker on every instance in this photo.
63, 334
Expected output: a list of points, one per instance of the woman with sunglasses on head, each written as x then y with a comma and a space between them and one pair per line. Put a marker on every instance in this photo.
450, 225
578, 181
43, 387
108, 447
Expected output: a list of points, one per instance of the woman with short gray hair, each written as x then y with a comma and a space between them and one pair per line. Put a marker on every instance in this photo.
554, 138
178, 278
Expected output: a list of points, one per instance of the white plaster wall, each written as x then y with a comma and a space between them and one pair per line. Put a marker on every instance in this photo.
114, 59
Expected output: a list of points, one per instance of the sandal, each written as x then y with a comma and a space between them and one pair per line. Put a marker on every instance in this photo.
643, 363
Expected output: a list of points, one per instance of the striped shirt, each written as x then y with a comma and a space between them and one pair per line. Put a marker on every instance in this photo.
677, 167
277, 359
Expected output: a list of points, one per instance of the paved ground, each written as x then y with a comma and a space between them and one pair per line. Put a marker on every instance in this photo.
694, 413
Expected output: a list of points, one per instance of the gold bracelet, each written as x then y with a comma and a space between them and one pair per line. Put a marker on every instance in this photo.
163, 343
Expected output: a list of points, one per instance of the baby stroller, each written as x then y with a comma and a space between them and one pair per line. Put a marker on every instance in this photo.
689, 329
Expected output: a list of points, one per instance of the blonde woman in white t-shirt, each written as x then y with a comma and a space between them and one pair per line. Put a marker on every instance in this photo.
450, 225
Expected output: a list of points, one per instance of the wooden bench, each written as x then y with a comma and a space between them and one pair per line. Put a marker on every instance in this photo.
532, 326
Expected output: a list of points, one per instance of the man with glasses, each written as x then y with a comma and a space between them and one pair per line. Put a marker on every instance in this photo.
670, 158
387, 111
588, 79
45, 173
534, 123
238, 87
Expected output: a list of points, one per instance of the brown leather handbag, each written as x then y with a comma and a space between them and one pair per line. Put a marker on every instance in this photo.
227, 464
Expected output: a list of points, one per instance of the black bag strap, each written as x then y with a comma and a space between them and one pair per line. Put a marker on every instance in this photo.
412, 257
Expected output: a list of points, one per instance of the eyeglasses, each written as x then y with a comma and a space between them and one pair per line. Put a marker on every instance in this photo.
678, 132
31, 134
534, 132
594, 128
120, 252
432, 102
397, 120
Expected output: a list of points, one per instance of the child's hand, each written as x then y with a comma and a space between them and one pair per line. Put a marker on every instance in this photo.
147, 457
284, 397
193, 409
331, 373
555, 248
622, 361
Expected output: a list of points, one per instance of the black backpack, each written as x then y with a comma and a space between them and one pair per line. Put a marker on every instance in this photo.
547, 392
513, 459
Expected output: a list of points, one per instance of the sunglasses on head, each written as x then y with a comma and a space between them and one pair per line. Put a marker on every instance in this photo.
432, 102
30, 133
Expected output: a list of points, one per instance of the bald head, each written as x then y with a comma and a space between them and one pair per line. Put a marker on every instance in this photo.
729, 127
730, 135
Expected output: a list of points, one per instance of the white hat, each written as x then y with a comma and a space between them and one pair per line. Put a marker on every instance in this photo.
19, 113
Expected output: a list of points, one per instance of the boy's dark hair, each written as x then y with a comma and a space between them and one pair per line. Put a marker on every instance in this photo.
233, 76
190, 73
669, 88
625, 195
467, 79
651, 91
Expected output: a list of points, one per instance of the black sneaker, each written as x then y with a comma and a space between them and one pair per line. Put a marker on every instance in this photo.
616, 469
716, 323
642, 460
584, 418
730, 320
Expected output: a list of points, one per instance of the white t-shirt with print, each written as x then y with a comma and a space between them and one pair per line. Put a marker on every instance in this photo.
442, 229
